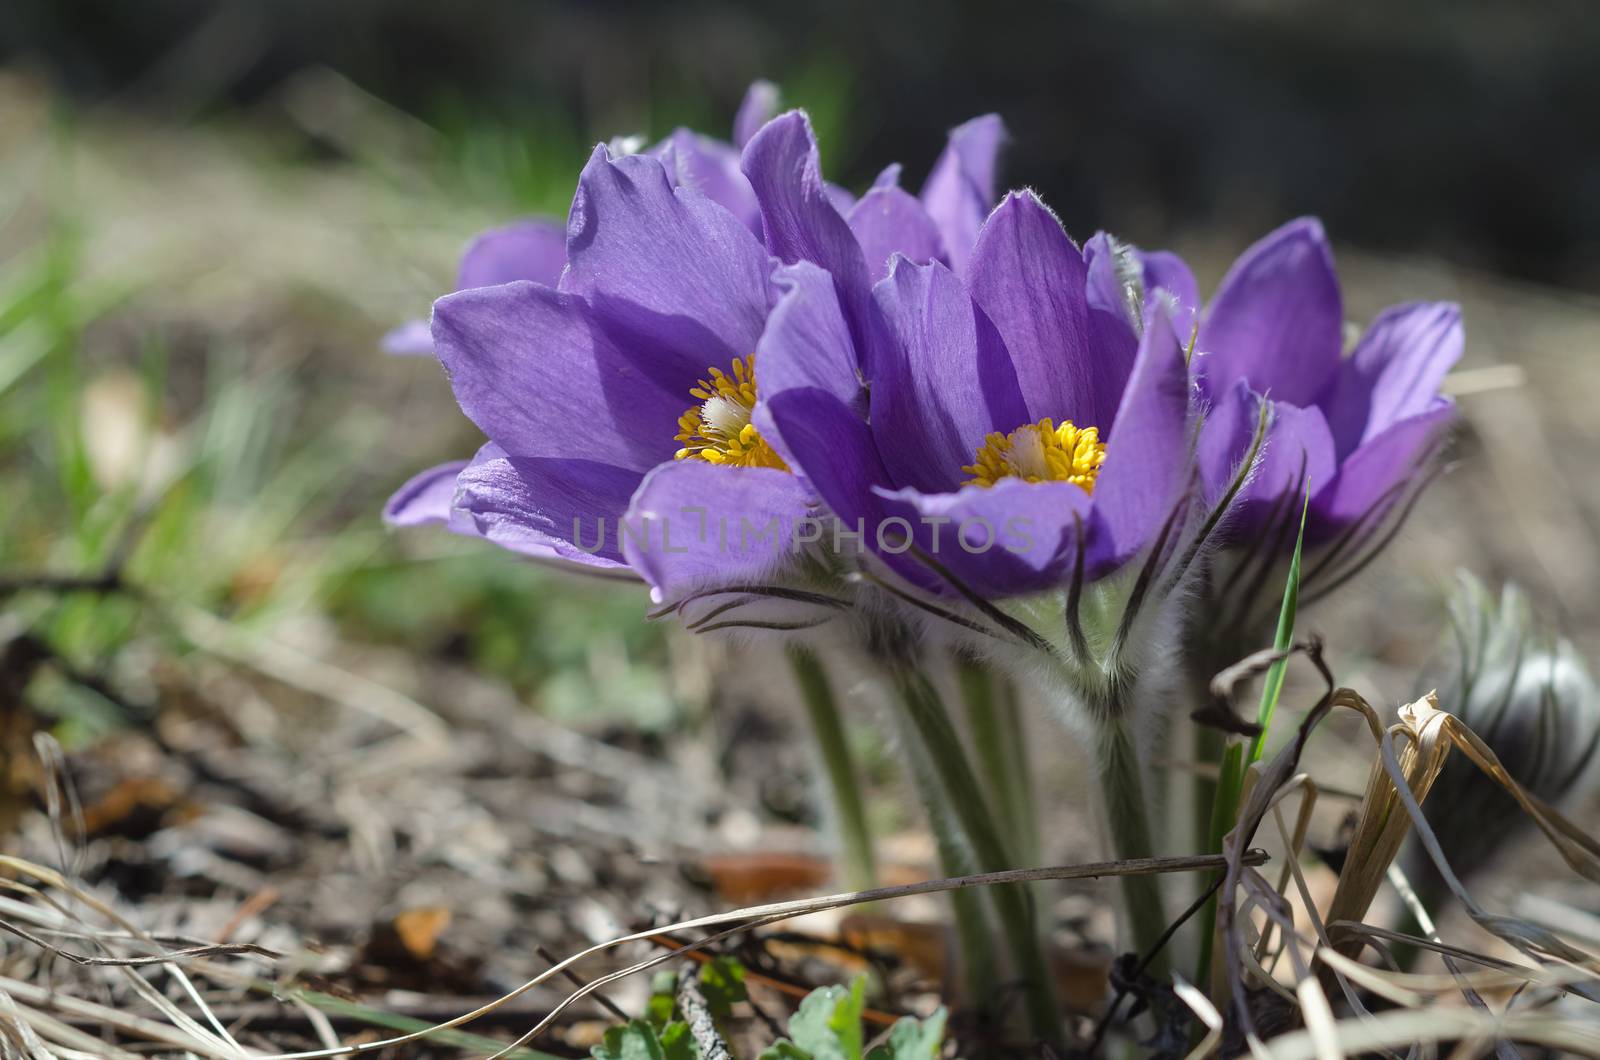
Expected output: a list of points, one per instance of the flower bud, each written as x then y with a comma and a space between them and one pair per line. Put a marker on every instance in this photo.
1531, 699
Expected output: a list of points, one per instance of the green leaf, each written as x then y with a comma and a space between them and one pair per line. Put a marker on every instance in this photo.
912, 1039
1230, 784
338, 1006
1273, 686
783, 1049
663, 1001
635, 1040
722, 983
677, 1043
1236, 760
828, 1024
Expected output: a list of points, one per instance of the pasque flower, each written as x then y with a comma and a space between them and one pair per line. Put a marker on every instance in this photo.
581, 386
1356, 434
1359, 433
1008, 430
643, 356
636, 385
1018, 454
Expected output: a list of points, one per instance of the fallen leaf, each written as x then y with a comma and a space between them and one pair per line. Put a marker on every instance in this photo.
753, 878
419, 929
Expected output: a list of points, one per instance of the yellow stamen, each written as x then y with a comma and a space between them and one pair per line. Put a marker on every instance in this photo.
1040, 452
718, 430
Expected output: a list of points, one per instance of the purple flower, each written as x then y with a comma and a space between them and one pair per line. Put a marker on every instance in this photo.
535, 250
584, 387
1358, 432
803, 226
634, 376
1011, 430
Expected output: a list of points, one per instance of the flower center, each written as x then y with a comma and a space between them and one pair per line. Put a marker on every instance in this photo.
1040, 452
718, 430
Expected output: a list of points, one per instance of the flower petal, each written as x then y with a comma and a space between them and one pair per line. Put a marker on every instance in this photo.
535, 249
807, 349
1030, 279
889, 221
710, 168
1298, 454
1165, 271
807, 341
1395, 370
1382, 462
950, 386
797, 211
1012, 538
1277, 320
532, 369
553, 508
425, 498
411, 339
830, 446
961, 186
759, 105
1297, 443
803, 223
1148, 452
692, 524
1113, 286
840, 197
1225, 435
671, 274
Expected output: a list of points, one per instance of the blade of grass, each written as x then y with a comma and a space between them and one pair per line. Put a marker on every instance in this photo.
1272, 687
1225, 809
379, 1018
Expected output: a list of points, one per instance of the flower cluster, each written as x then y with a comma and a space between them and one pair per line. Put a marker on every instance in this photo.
632, 348
777, 403
722, 350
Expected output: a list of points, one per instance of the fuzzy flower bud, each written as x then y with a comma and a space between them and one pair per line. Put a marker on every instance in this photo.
1528, 696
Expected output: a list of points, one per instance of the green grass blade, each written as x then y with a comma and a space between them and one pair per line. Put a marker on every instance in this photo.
1272, 687
407, 1025
1230, 784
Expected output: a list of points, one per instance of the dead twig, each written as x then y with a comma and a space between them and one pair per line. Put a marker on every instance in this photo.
738, 920
697, 1014
578, 981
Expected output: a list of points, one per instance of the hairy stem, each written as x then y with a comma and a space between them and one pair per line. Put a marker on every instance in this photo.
1128, 819
927, 715
827, 729
994, 719
955, 858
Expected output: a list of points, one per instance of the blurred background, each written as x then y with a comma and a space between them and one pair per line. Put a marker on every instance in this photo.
287, 721
1458, 128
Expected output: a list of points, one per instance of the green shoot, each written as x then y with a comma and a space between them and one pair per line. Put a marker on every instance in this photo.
1230, 785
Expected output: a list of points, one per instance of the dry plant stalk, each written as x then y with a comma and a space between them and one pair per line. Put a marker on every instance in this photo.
1384, 822
1409, 758
186, 1033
